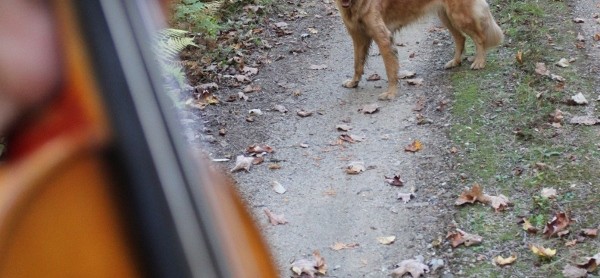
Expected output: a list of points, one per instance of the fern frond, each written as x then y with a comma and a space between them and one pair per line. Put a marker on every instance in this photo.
214, 7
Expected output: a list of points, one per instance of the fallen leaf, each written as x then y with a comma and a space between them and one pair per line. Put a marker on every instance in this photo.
311, 267
528, 227
420, 104
584, 120
571, 271
501, 261
589, 232
275, 219
274, 166
542, 252
340, 246
499, 203
395, 180
251, 89
436, 264
280, 108
405, 197
563, 233
571, 243
578, 20
346, 138
579, 99
558, 223
415, 81
277, 187
343, 127
470, 196
591, 263
414, 147
250, 70
415, 267
255, 112
242, 163
303, 113
406, 74
281, 24
318, 67
563, 63
369, 108
258, 160
386, 240
259, 149
580, 37
557, 78
540, 68
459, 237
355, 167
549, 193
374, 77
519, 57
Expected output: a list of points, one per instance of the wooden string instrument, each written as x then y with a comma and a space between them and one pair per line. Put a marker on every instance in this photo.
98, 183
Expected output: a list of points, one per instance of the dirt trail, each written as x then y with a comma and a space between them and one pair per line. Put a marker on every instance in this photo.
323, 204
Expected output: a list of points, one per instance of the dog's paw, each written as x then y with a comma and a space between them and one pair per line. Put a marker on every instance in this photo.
478, 64
387, 96
350, 83
452, 64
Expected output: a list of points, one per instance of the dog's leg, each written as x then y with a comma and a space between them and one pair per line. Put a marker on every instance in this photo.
361, 43
383, 37
459, 40
479, 61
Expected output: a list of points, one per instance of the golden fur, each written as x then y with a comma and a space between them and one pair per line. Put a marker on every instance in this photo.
377, 20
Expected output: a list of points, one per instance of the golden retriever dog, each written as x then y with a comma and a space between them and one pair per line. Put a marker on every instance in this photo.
377, 20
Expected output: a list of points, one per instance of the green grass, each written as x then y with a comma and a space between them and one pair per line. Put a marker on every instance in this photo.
501, 123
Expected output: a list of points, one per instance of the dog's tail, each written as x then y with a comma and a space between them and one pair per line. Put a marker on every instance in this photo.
493, 34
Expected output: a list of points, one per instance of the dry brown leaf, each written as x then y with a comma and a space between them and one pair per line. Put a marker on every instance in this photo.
571, 243
589, 232
280, 108
501, 261
528, 227
347, 138
369, 108
558, 223
405, 197
578, 20
542, 252
591, 263
340, 245
355, 167
519, 57
343, 127
549, 193
277, 187
415, 81
571, 271
251, 88
311, 267
242, 163
274, 166
470, 196
395, 180
258, 160
499, 203
415, 267
303, 113
258, 149
556, 116
579, 99
275, 219
540, 68
374, 77
406, 74
414, 147
563, 63
250, 70
386, 240
459, 237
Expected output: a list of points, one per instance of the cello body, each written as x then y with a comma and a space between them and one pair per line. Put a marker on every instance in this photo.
98, 183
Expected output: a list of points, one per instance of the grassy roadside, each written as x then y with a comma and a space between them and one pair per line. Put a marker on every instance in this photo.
510, 144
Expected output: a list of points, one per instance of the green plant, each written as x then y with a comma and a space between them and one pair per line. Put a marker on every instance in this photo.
200, 16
